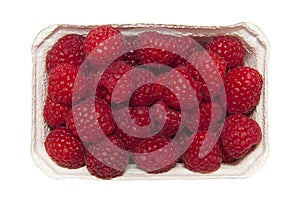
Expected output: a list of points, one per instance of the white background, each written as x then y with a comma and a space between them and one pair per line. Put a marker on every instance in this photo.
22, 20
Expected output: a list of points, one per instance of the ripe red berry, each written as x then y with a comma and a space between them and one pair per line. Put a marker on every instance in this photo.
229, 48
243, 87
183, 139
156, 48
209, 69
185, 47
239, 135
103, 93
112, 75
66, 85
131, 56
130, 142
167, 118
55, 113
133, 125
103, 45
180, 90
87, 121
67, 50
65, 148
226, 158
145, 92
140, 115
203, 155
208, 117
156, 154
145, 95
107, 159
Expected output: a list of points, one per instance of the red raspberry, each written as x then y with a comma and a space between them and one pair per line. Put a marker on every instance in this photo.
55, 113
156, 154
65, 148
130, 142
107, 159
239, 135
185, 89
97, 89
183, 140
156, 48
209, 68
167, 118
209, 116
133, 125
185, 47
67, 50
103, 93
103, 45
141, 76
66, 85
110, 78
116, 140
229, 48
140, 115
243, 87
131, 56
145, 93
87, 121
203, 155
226, 158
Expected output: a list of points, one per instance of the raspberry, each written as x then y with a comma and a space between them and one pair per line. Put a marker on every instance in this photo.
132, 128
243, 87
145, 93
55, 113
97, 89
239, 135
107, 159
229, 48
130, 142
65, 148
156, 48
156, 154
167, 118
110, 78
141, 76
103, 45
183, 140
131, 56
113, 73
210, 114
140, 115
209, 70
103, 93
66, 85
203, 155
67, 50
226, 158
87, 121
179, 88
185, 47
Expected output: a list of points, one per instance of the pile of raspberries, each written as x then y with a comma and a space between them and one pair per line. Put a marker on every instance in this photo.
153, 99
